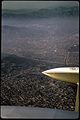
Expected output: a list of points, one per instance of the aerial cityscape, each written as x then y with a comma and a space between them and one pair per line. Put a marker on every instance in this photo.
35, 39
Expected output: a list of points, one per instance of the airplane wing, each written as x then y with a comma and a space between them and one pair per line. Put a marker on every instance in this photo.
67, 74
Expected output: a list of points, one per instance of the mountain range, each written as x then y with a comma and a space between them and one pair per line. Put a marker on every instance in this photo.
48, 12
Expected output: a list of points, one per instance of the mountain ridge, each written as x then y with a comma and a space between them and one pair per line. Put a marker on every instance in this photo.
44, 12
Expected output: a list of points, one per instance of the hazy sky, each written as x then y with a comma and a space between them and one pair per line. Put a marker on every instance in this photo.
35, 4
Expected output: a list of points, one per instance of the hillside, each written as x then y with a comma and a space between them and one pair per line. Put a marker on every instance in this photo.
49, 12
